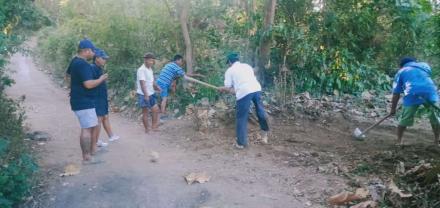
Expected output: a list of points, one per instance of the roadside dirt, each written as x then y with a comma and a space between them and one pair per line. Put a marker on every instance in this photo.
304, 164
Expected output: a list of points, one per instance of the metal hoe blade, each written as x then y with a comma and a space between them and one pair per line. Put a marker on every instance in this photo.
358, 134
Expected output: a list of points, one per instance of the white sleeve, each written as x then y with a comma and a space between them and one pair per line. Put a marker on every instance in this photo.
228, 79
141, 75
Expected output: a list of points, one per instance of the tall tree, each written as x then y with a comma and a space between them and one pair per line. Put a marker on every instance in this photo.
184, 25
265, 41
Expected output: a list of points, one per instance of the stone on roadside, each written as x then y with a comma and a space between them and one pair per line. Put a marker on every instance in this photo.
154, 157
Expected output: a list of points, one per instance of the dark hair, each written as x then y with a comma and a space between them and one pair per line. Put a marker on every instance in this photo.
406, 59
232, 61
177, 57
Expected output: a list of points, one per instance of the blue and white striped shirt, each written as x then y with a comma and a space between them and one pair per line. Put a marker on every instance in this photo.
169, 73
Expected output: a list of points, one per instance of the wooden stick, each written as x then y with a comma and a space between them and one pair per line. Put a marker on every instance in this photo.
200, 82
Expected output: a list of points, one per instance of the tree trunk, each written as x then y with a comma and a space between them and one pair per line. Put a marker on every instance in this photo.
265, 41
184, 25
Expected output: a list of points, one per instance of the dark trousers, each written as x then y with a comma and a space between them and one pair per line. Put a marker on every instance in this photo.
242, 116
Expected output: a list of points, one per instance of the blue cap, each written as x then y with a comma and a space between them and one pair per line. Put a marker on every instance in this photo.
86, 43
232, 57
101, 54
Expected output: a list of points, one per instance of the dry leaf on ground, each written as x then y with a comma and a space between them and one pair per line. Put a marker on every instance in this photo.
420, 169
71, 170
394, 189
362, 193
343, 198
366, 204
201, 177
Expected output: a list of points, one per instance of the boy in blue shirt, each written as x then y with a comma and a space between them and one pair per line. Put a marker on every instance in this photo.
101, 99
414, 81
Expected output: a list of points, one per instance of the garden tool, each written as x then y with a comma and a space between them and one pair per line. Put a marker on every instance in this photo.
359, 134
200, 82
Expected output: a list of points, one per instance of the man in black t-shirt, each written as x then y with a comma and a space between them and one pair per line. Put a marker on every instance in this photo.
82, 95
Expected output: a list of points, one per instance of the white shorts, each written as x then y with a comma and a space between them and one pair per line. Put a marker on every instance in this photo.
87, 118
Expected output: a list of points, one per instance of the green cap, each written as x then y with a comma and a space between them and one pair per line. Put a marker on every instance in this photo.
232, 57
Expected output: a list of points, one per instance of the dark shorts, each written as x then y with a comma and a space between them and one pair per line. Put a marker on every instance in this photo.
101, 107
144, 104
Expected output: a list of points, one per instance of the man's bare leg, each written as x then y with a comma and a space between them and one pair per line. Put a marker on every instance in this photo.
85, 143
400, 131
107, 126
94, 140
163, 105
145, 119
155, 120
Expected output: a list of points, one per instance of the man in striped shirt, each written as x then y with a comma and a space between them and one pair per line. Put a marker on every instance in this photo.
167, 77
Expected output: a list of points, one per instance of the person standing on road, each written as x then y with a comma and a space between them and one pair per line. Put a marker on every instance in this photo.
82, 95
240, 80
146, 92
414, 80
101, 99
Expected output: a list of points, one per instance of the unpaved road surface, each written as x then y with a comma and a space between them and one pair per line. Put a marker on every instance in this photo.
305, 162
127, 178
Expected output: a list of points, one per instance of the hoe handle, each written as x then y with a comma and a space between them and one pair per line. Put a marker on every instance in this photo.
377, 123
200, 82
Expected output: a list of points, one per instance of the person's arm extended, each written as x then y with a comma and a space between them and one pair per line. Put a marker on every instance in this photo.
144, 89
229, 85
394, 102
90, 84
226, 90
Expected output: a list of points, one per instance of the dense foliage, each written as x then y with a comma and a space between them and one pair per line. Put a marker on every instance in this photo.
324, 47
16, 165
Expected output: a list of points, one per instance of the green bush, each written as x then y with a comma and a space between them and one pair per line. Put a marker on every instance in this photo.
17, 166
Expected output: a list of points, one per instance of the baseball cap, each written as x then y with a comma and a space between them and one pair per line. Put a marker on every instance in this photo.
86, 43
149, 56
232, 57
101, 54
406, 60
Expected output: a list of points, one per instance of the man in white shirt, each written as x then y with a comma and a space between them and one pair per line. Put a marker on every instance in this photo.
241, 80
146, 86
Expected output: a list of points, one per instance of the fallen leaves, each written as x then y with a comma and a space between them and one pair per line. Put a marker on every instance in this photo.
346, 197
395, 190
70, 170
200, 177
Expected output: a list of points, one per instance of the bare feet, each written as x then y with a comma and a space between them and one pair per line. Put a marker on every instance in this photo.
87, 157
147, 131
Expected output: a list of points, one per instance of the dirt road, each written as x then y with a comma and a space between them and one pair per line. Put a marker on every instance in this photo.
127, 178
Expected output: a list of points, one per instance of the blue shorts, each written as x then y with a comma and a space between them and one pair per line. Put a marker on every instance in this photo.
165, 88
87, 118
101, 107
144, 104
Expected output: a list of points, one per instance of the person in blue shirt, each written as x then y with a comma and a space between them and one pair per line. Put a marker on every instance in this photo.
82, 95
167, 77
413, 80
101, 99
